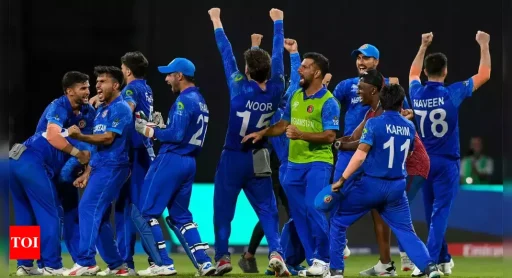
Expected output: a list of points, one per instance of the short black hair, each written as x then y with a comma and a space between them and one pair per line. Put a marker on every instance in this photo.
435, 63
114, 72
73, 77
373, 77
391, 97
190, 79
319, 60
258, 64
136, 62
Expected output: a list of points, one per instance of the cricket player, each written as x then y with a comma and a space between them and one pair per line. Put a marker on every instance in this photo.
436, 108
106, 173
26, 190
292, 247
417, 166
385, 144
168, 183
254, 98
139, 96
310, 121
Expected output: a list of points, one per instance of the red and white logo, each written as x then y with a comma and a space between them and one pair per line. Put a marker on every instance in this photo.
476, 249
25, 243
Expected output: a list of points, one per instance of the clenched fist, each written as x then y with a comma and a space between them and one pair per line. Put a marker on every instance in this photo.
276, 14
214, 13
482, 37
74, 131
426, 39
256, 40
291, 45
293, 132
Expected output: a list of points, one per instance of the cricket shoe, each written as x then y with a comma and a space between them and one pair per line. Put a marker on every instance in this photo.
335, 273
406, 263
155, 270
206, 269
28, 270
445, 268
223, 266
380, 269
418, 273
294, 271
277, 264
78, 270
319, 268
121, 270
346, 251
248, 265
48, 271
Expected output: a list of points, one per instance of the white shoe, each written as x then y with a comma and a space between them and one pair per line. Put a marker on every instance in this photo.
48, 271
206, 269
417, 272
28, 270
380, 269
319, 268
78, 270
346, 251
406, 263
122, 270
131, 272
155, 270
452, 263
445, 268
277, 264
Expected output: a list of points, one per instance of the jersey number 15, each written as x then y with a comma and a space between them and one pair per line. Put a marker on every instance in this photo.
203, 120
246, 116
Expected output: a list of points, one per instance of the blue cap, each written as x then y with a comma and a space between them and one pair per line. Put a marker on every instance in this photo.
326, 199
367, 50
182, 65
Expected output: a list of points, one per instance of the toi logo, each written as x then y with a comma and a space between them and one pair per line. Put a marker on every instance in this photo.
25, 243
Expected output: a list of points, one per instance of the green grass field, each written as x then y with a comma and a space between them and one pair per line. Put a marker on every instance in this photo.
464, 267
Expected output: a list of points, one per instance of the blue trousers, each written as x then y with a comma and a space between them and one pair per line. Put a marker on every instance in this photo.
130, 194
69, 198
168, 184
342, 163
413, 186
439, 191
302, 183
94, 216
390, 200
235, 172
35, 202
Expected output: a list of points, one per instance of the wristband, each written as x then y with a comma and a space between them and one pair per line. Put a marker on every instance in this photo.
74, 151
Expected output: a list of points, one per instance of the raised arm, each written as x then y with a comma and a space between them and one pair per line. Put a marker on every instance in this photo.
277, 68
291, 46
484, 69
417, 64
226, 51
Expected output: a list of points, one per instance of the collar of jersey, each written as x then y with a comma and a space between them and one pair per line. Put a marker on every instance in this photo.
318, 94
390, 112
434, 83
119, 98
188, 90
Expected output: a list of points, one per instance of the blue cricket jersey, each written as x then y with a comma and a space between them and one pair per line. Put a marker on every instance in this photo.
346, 93
251, 108
115, 117
280, 143
391, 137
187, 123
436, 109
60, 112
140, 94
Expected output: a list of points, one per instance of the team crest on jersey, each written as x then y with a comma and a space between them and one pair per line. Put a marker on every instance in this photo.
310, 108
129, 92
81, 124
327, 199
104, 114
238, 77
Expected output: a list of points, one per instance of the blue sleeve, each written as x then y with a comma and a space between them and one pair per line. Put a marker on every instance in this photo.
287, 115
226, 51
57, 115
368, 136
340, 90
460, 90
277, 66
179, 119
119, 118
294, 74
69, 171
331, 115
406, 104
414, 87
129, 95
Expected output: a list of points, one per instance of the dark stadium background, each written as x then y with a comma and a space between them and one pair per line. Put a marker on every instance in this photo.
52, 37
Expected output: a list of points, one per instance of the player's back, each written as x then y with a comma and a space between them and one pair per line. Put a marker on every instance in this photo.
139, 93
191, 104
436, 110
392, 138
251, 109
109, 118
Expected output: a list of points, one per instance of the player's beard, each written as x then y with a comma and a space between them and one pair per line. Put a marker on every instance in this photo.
305, 84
